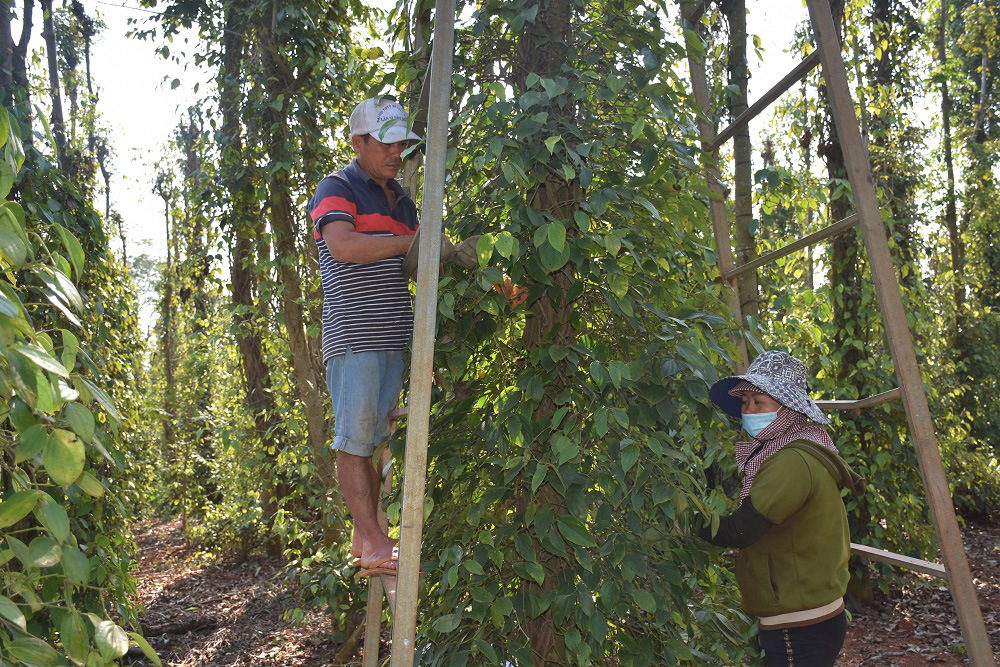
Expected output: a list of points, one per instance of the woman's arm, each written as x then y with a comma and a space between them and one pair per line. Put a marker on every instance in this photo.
739, 529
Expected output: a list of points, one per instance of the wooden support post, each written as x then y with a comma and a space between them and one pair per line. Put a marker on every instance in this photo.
422, 362
970, 616
717, 200
373, 623
379, 585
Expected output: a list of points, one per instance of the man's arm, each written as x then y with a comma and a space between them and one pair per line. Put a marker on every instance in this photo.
347, 245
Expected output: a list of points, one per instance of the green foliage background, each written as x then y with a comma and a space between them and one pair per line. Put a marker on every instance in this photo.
573, 446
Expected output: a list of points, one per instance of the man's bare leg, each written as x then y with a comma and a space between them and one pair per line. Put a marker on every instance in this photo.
359, 485
357, 544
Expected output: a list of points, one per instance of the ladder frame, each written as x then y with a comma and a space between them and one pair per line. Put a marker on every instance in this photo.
868, 216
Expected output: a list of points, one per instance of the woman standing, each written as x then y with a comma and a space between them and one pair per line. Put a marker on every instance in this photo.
791, 525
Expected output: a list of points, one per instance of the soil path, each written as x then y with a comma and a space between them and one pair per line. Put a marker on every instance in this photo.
223, 613
230, 614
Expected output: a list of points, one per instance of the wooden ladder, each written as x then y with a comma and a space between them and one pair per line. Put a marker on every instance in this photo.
955, 569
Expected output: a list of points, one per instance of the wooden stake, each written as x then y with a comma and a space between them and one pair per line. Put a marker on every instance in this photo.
421, 365
377, 585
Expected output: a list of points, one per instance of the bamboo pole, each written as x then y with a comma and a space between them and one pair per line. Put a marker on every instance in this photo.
421, 366
970, 616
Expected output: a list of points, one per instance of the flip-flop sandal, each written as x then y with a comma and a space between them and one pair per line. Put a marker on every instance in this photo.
356, 561
378, 564
380, 571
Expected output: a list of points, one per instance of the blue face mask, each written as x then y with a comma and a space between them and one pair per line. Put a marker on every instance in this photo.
754, 423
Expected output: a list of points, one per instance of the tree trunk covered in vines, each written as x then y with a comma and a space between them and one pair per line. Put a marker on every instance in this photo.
888, 133
806, 144
309, 374
845, 274
542, 51
746, 243
417, 96
14, 66
197, 267
956, 245
240, 232
167, 333
312, 165
58, 123
308, 377
6, 56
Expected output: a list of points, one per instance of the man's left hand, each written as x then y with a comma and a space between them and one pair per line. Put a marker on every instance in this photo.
464, 253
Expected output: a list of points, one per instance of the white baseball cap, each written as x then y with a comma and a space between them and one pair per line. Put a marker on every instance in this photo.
386, 121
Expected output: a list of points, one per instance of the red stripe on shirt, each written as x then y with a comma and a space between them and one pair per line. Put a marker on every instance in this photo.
328, 204
376, 222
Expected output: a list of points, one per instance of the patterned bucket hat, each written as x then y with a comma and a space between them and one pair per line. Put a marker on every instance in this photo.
779, 375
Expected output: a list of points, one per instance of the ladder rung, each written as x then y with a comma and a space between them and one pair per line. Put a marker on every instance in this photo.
885, 396
401, 411
907, 562
777, 91
834, 229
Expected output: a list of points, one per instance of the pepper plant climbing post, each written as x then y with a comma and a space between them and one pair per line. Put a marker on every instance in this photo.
421, 366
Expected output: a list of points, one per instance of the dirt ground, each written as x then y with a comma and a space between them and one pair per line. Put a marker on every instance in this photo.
230, 614
920, 626
218, 614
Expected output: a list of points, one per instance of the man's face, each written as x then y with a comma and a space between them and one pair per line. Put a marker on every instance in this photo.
380, 161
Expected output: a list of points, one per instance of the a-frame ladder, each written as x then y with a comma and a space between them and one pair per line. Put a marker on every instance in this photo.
402, 590
867, 215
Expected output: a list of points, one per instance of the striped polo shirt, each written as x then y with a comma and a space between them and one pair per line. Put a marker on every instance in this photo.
365, 306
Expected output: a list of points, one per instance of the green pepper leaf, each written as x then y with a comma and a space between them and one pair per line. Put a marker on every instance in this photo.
64, 456
574, 530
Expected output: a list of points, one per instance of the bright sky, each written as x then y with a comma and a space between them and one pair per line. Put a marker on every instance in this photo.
138, 104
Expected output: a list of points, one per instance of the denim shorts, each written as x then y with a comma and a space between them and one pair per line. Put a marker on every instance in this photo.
364, 387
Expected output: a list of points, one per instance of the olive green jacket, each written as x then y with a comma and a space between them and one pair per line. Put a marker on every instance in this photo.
800, 562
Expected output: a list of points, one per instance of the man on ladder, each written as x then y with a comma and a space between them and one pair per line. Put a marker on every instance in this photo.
364, 225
